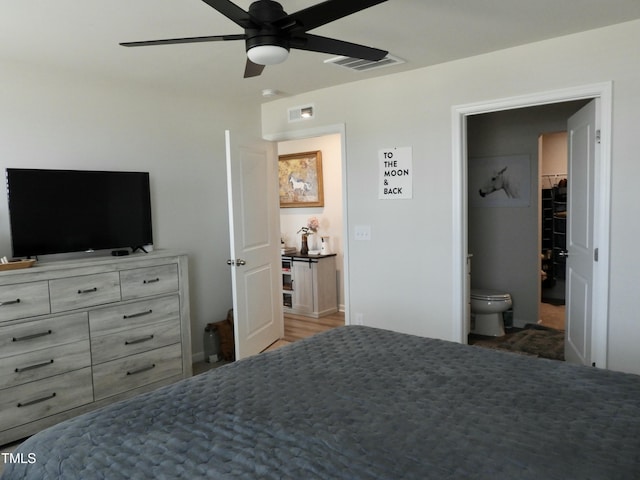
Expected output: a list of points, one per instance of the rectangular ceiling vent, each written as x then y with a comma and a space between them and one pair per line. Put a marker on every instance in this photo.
361, 65
305, 112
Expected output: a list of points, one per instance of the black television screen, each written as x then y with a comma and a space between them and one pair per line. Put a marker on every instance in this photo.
62, 211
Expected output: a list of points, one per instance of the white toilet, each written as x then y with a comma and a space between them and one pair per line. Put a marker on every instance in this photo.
487, 307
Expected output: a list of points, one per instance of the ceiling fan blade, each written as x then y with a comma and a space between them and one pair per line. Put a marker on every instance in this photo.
252, 69
232, 12
171, 41
315, 43
323, 13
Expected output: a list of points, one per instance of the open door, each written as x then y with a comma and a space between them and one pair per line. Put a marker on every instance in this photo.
581, 251
254, 229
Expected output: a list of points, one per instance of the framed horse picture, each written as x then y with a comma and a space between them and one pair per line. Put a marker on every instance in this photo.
300, 180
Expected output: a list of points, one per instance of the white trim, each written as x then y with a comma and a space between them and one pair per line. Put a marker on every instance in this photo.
339, 128
459, 113
306, 133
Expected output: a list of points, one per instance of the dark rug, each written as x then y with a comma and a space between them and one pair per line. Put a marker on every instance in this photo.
536, 340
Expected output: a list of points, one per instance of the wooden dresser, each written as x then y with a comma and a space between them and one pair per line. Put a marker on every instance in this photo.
76, 335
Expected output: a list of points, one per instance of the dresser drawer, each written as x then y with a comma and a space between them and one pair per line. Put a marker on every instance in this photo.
135, 340
35, 400
144, 282
84, 291
39, 334
114, 319
23, 300
134, 371
44, 363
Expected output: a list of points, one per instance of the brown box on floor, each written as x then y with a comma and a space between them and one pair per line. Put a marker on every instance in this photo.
225, 330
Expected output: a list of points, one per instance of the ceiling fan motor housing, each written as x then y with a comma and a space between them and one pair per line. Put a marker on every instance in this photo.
266, 11
261, 37
266, 33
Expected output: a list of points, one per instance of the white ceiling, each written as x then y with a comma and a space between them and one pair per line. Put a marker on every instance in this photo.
83, 35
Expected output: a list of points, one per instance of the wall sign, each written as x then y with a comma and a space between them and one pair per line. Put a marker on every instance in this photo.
396, 173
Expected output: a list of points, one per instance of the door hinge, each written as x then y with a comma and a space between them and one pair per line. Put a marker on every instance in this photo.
598, 136
595, 254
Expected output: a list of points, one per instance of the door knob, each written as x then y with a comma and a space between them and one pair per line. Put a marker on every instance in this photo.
563, 253
237, 262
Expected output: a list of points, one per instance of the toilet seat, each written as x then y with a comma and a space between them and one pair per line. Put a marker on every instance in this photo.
490, 295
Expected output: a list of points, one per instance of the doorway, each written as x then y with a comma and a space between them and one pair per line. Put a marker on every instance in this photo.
462, 116
504, 231
261, 184
331, 218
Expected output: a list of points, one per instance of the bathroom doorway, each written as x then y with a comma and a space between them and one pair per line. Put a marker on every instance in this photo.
592, 320
506, 238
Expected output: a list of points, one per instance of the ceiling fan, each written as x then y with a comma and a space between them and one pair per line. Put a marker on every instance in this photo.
269, 32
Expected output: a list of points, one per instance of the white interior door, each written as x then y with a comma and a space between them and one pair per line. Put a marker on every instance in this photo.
581, 251
254, 227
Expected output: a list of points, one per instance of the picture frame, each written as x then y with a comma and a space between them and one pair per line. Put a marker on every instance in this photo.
500, 181
300, 180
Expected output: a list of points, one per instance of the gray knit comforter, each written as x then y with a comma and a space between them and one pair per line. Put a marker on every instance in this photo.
359, 403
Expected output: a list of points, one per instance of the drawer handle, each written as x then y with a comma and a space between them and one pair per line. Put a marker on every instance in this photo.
153, 280
139, 340
139, 314
31, 367
10, 302
37, 400
32, 336
87, 290
142, 369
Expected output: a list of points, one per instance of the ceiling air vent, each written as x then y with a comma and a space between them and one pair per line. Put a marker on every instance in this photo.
360, 65
296, 114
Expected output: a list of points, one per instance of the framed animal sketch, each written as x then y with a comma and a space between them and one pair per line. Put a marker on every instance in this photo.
300, 180
502, 181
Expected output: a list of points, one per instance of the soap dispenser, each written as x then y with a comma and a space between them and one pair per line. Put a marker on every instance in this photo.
324, 247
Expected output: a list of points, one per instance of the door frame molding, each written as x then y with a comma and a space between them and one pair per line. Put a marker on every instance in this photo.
339, 128
602, 198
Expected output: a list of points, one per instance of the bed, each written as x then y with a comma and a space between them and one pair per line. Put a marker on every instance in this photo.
359, 403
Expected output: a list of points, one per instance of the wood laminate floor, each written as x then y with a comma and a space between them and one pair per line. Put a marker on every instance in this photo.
297, 327
552, 316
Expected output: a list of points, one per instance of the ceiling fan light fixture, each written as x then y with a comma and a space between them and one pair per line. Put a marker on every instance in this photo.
267, 54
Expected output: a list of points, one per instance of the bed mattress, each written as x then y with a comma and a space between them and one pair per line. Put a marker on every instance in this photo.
359, 403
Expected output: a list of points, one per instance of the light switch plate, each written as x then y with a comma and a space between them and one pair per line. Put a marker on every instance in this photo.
362, 232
